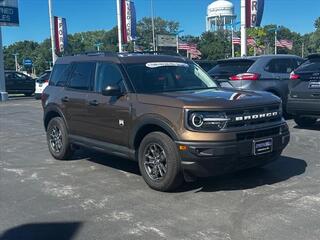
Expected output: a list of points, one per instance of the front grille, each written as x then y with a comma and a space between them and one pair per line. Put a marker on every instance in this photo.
258, 134
234, 115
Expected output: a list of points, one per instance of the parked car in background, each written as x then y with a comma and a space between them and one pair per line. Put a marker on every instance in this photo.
304, 92
206, 64
19, 83
41, 83
269, 73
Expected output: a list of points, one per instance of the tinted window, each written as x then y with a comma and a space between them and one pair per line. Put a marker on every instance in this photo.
81, 75
281, 65
107, 74
58, 76
231, 67
168, 76
44, 77
19, 76
312, 65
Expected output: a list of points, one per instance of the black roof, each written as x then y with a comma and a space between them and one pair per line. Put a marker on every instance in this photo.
313, 56
126, 58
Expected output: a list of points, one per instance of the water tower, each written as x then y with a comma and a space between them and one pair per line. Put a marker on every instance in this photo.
220, 15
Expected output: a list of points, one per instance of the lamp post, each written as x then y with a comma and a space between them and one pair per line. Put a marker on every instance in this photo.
97, 45
153, 27
243, 29
177, 35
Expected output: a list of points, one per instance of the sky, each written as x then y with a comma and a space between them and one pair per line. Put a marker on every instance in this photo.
81, 15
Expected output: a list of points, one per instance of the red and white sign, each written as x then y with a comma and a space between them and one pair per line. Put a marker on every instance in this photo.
60, 30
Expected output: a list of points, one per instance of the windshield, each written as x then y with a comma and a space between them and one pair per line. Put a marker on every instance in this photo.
168, 76
231, 67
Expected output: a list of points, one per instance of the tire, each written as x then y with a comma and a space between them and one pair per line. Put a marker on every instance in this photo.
168, 157
63, 150
305, 121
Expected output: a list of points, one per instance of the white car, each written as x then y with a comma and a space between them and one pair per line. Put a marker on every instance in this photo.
41, 83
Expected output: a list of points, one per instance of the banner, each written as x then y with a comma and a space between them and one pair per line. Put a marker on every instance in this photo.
9, 13
254, 13
166, 40
60, 33
128, 21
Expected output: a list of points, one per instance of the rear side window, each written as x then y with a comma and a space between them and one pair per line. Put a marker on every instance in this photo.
82, 75
58, 76
107, 74
281, 65
311, 65
231, 67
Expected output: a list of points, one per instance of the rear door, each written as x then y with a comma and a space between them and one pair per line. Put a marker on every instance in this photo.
276, 76
306, 81
75, 95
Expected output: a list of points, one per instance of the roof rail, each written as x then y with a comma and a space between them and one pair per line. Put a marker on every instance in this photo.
171, 53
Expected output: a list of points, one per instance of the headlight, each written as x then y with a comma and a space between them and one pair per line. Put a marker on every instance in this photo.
207, 120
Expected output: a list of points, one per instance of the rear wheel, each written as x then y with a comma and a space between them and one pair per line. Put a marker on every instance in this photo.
159, 162
57, 138
305, 121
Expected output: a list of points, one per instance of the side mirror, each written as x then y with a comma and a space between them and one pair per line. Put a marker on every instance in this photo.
112, 90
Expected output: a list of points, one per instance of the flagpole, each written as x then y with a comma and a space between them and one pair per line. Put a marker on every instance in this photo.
232, 36
153, 27
54, 56
275, 41
119, 25
243, 29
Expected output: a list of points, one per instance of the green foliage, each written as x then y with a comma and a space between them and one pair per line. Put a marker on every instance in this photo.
214, 45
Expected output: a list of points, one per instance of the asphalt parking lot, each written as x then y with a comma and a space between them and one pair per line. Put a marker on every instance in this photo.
96, 196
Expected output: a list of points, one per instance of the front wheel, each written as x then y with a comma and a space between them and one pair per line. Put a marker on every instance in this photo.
159, 162
58, 140
305, 121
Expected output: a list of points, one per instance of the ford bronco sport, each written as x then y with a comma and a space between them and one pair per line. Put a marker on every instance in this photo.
164, 112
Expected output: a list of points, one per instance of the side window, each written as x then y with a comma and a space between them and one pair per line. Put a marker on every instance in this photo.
107, 74
20, 76
82, 75
8, 75
284, 65
58, 76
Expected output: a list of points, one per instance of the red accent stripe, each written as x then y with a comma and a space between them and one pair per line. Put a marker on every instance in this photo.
56, 34
248, 13
123, 21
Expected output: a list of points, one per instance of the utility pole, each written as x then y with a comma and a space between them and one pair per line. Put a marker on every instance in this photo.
243, 29
302, 50
54, 56
119, 25
16, 60
232, 36
153, 27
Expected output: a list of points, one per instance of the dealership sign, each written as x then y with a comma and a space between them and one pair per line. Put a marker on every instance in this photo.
254, 13
167, 40
128, 21
60, 32
9, 13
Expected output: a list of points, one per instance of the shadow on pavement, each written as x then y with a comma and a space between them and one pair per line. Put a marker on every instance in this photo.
42, 231
315, 127
279, 171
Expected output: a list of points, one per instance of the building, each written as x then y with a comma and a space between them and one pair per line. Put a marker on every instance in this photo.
220, 15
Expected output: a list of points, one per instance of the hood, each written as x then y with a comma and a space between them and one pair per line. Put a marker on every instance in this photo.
210, 98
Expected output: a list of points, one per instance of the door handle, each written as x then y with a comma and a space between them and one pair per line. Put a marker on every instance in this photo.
65, 99
94, 103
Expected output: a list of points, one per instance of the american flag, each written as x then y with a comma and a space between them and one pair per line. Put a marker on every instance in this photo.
236, 41
285, 43
191, 48
251, 41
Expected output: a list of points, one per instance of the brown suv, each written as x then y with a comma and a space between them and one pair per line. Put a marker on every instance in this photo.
164, 112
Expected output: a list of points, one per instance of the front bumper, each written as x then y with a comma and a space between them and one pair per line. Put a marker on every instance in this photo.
303, 107
203, 159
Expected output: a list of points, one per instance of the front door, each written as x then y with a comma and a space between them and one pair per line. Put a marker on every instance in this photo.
109, 116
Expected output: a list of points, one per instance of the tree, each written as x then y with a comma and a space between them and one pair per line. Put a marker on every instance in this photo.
162, 26
317, 24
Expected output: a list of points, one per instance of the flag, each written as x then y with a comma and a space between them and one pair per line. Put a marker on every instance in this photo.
251, 42
128, 21
254, 13
236, 41
285, 43
60, 33
191, 48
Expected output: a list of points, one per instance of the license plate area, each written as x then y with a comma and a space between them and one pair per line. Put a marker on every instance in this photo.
314, 84
262, 146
